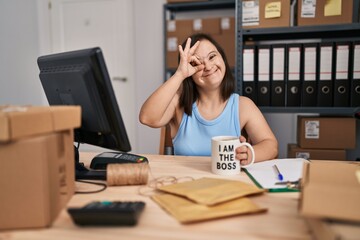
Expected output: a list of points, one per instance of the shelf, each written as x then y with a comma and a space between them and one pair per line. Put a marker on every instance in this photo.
302, 32
343, 111
200, 6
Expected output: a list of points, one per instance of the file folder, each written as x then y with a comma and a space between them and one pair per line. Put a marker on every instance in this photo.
263, 84
355, 81
309, 88
341, 82
277, 80
325, 83
293, 88
249, 80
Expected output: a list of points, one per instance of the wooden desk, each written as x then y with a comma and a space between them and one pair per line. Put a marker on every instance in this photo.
281, 221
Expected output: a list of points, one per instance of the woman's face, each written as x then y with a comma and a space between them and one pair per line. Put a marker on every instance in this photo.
214, 66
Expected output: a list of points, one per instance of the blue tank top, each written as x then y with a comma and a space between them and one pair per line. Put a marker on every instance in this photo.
194, 135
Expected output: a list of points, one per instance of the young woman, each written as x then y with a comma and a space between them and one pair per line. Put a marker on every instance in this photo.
199, 102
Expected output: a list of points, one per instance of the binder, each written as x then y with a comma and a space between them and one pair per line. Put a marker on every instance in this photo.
310, 75
355, 80
326, 76
277, 81
249, 81
263, 84
341, 82
293, 87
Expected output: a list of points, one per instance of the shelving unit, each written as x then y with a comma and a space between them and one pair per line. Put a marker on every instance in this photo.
322, 33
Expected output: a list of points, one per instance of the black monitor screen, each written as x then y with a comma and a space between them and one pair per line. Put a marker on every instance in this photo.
81, 78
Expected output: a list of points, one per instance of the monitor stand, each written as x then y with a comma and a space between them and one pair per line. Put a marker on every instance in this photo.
82, 173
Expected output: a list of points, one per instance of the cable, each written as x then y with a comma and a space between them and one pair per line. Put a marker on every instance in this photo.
104, 186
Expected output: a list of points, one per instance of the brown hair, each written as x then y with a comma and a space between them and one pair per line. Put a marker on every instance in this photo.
189, 93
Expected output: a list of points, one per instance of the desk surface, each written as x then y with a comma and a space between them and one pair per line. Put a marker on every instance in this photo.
281, 221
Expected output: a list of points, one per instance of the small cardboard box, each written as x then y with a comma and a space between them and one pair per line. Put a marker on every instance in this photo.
206, 25
295, 151
37, 173
227, 42
326, 132
325, 12
331, 189
180, 1
18, 122
266, 13
176, 33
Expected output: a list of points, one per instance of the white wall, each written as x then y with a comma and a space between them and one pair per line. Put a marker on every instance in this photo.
20, 84
149, 62
19, 49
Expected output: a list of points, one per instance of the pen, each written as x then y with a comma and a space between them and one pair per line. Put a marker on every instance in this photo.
279, 175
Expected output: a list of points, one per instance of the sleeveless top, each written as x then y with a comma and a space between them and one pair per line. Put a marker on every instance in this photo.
194, 135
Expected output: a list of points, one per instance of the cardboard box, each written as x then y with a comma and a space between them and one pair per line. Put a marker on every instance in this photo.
294, 151
36, 179
322, 16
332, 230
326, 132
176, 33
331, 189
180, 1
227, 26
227, 42
37, 173
271, 13
206, 25
18, 122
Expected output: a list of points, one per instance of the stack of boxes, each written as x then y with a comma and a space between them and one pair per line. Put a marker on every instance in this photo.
221, 29
37, 169
323, 138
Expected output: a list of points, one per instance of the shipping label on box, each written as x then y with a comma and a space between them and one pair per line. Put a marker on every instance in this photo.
326, 132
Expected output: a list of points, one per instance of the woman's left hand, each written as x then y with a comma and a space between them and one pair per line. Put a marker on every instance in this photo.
243, 154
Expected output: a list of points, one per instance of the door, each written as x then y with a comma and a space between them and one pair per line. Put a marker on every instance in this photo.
108, 24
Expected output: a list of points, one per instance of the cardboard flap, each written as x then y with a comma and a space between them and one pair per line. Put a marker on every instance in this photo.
331, 189
24, 121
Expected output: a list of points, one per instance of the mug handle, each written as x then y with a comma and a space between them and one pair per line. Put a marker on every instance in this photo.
252, 154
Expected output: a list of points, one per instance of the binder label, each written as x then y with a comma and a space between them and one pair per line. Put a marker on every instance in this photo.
278, 64
312, 129
264, 64
310, 64
342, 62
325, 62
294, 64
356, 65
248, 66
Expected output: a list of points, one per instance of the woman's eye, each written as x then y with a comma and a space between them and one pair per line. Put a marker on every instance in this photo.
212, 56
193, 64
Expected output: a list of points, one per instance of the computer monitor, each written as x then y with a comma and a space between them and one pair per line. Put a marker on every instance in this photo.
81, 78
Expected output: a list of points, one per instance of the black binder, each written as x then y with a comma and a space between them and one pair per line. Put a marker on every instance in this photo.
355, 76
263, 83
310, 75
341, 82
326, 76
277, 81
293, 87
249, 77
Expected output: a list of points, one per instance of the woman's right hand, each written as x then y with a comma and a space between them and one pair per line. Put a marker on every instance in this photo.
189, 63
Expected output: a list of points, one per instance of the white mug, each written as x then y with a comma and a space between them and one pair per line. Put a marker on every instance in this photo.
223, 154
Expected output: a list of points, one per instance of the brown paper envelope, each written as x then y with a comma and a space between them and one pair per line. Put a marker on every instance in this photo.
186, 211
210, 191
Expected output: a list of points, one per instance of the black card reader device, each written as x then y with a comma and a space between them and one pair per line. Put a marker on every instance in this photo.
101, 160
